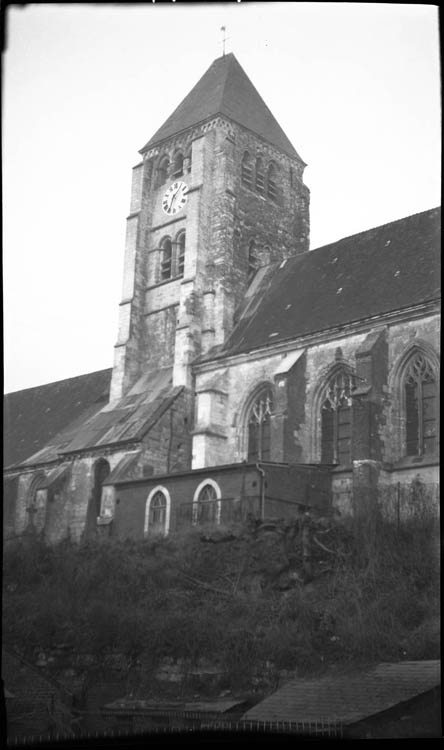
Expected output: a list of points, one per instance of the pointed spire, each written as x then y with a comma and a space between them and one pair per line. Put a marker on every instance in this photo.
225, 89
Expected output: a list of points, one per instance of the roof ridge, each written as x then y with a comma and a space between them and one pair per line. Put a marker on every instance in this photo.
61, 380
366, 231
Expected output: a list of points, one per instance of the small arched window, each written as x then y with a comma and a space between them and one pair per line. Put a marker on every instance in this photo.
247, 170
253, 260
178, 164
207, 501
260, 176
420, 393
272, 187
180, 254
157, 514
259, 434
336, 419
166, 262
162, 171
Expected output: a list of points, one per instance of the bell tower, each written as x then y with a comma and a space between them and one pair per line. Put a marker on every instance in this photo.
218, 193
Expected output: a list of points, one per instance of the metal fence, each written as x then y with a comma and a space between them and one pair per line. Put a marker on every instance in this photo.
188, 723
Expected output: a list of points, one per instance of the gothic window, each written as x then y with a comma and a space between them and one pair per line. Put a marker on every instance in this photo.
336, 419
178, 165
259, 437
157, 514
272, 187
247, 170
166, 263
162, 171
206, 506
260, 176
180, 244
420, 393
253, 260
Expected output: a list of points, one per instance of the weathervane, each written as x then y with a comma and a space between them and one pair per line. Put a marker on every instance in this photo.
224, 39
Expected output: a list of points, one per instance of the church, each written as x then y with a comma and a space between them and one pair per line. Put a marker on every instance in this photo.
253, 375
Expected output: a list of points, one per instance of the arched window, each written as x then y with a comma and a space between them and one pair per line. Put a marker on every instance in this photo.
420, 394
157, 512
336, 418
247, 170
178, 164
180, 254
166, 262
207, 504
162, 171
259, 437
260, 176
272, 187
253, 260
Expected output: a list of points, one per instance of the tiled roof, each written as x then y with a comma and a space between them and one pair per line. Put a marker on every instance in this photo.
386, 269
35, 415
225, 89
348, 698
127, 420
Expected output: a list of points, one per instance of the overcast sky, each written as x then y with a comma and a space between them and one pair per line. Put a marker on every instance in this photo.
355, 88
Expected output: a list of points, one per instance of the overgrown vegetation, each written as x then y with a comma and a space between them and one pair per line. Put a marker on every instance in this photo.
239, 597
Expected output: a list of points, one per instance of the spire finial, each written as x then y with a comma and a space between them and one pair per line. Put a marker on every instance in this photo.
224, 39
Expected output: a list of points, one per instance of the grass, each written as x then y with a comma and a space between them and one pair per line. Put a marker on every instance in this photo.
188, 599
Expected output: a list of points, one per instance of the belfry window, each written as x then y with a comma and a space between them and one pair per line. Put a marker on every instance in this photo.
162, 171
188, 160
178, 165
207, 505
272, 188
166, 264
247, 170
336, 419
259, 436
180, 254
260, 176
420, 406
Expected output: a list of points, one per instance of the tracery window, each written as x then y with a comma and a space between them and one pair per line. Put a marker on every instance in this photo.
272, 187
247, 170
259, 434
260, 176
207, 505
157, 513
336, 419
166, 263
420, 406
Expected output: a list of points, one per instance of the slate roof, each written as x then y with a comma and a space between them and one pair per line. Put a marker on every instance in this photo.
33, 416
386, 269
126, 421
350, 697
225, 89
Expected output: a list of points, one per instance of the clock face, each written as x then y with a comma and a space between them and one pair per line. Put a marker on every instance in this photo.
175, 198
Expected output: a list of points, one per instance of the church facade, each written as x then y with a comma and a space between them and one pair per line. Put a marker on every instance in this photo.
252, 375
